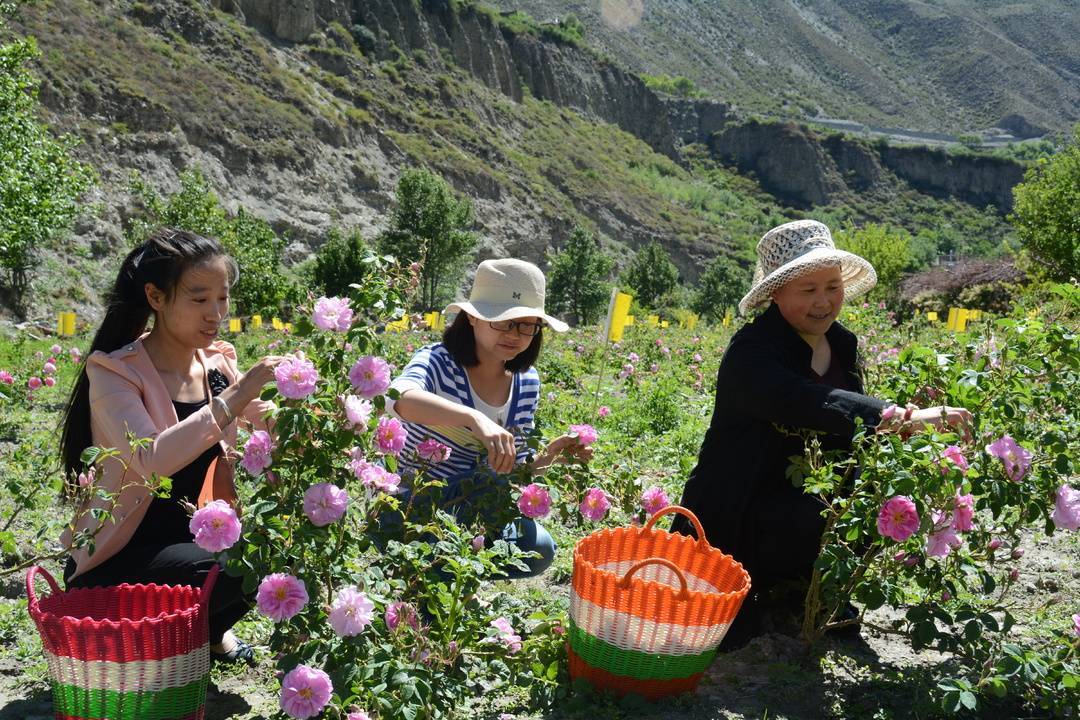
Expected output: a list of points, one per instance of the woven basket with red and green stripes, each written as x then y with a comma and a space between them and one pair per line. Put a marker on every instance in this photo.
648, 608
128, 652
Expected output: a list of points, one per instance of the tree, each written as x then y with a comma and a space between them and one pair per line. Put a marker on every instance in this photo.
720, 287
39, 180
577, 280
263, 285
1046, 212
340, 262
651, 275
430, 226
887, 248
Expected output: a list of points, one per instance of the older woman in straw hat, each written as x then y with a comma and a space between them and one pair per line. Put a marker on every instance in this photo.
476, 392
794, 365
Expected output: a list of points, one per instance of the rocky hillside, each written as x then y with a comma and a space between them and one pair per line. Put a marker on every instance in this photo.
305, 112
950, 65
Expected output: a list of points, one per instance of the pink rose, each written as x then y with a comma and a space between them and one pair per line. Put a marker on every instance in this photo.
34, 382
257, 452
1016, 459
50, 381
898, 519
325, 503
49, 368
56, 349
305, 691
350, 612
943, 538
604, 411
6, 378
332, 313
370, 376
401, 612
1067, 508
281, 596
586, 434
296, 377
390, 436
86, 479
1076, 624
535, 501
358, 412
433, 451
654, 500
963, 513
955, 455
506, 635
215, 526
595, 505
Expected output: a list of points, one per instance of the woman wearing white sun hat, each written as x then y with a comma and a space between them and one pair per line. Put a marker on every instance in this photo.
477, 390
794, 365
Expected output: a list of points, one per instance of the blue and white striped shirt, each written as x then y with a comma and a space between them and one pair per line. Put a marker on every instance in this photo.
434, 369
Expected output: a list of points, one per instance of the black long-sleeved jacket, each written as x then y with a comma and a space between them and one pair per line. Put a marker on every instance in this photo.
766, 380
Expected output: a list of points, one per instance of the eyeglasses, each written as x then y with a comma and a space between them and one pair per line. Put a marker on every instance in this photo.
528, 329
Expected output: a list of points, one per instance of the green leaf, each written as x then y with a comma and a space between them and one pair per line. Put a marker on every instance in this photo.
967, 699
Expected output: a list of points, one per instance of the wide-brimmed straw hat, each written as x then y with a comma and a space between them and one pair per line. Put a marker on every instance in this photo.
797, 248
505, 290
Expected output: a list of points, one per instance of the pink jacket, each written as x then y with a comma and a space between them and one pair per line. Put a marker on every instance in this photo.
127, 395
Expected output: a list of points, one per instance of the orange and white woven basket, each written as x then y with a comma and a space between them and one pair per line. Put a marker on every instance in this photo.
648, 608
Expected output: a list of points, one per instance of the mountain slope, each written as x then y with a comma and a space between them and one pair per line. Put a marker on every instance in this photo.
945, 65
313, 133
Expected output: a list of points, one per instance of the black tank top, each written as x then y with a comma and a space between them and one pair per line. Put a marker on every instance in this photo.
166, 521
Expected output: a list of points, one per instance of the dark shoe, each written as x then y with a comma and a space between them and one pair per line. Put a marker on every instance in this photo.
847, 632
241, 653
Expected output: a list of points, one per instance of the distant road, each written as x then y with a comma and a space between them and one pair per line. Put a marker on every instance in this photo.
909, 136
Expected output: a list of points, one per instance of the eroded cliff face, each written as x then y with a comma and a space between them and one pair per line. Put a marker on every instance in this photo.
805, 168
515, 63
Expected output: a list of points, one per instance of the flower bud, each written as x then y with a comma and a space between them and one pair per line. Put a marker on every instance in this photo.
994, 545
1017, 553
1014, 574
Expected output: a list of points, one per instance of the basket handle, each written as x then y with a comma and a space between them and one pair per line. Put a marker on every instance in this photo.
703, 543
31, 575
684, 591
208, 584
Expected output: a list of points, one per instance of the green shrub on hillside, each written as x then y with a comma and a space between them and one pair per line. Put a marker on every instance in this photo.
263, 286
720, 287
887, 248
430, 225
578, 278
39, 180
1047, 212
340, 262
673, 85
651, 275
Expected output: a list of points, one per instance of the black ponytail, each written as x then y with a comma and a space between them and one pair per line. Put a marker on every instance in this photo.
161, 260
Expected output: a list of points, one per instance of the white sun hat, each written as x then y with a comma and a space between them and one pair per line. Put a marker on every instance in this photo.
505, 290
797, 248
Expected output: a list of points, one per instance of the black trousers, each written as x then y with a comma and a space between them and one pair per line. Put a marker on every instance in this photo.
176, 564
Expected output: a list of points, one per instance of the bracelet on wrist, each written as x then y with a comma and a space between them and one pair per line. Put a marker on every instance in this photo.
220, 402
